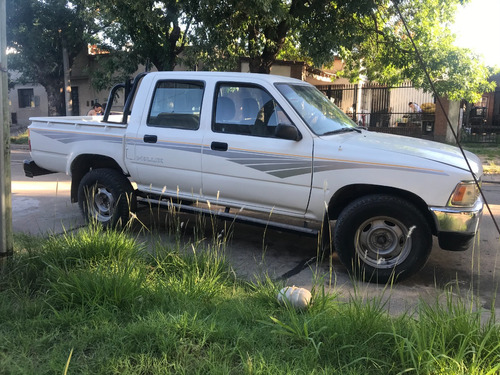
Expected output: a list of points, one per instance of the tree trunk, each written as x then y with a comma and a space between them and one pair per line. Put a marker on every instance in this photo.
257, 65
68, 110
55, 97
277, 34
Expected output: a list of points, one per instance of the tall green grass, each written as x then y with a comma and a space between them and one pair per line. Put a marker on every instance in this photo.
103, 302
20, 139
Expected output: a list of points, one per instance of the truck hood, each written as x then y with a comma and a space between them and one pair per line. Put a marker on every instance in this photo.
414, 147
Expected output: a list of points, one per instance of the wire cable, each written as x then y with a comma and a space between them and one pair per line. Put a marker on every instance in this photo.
423, 66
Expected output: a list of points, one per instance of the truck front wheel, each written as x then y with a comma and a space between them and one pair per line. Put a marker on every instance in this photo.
380, 237
105, 196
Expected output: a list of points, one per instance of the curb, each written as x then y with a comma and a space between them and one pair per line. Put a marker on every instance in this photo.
15, 146
491, 178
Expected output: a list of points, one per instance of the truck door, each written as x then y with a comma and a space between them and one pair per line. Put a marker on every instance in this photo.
167, 153
244, 162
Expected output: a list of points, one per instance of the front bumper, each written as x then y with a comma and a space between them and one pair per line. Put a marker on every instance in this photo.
457, 226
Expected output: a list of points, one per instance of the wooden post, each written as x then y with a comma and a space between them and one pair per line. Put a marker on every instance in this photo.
6, 241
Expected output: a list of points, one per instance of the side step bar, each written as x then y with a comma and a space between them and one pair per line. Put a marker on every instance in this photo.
236, 218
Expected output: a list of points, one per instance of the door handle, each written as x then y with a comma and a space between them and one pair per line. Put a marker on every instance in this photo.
149, 138
219, 146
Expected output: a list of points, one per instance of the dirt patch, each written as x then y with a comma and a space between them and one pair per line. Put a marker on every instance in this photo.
17, 129
491, 164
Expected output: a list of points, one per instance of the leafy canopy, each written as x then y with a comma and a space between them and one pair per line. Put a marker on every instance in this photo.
387, 55
37, 31
140, 32
368, 35
261, 29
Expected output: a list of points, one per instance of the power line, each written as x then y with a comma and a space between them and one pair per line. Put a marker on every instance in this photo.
423, 66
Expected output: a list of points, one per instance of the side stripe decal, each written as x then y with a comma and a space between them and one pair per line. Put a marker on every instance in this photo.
70, 137
278, 165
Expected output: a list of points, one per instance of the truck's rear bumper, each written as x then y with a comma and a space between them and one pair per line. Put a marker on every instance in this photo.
457, 226
31, 169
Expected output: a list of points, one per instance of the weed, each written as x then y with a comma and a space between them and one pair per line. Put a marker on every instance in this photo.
117, 305
20, 139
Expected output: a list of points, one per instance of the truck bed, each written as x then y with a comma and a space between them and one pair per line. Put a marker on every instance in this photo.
55, 141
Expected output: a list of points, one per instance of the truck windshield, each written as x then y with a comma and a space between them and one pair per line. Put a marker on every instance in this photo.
320, 114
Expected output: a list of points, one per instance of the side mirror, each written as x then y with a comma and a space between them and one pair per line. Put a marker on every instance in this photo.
288, 131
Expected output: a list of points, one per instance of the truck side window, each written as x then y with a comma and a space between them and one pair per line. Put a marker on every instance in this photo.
176, 104
246, 109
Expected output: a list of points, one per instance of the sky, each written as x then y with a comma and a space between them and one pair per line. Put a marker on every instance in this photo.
477, 26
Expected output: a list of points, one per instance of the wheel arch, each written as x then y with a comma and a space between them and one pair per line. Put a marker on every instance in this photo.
86, 162
348, 194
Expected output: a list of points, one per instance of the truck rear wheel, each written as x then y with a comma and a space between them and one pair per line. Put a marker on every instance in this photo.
380, 237
106, 196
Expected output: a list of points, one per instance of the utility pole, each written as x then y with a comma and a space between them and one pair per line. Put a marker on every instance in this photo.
6, 241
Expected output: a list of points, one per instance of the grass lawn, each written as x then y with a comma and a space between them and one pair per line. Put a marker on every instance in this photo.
490, 156
20, 139
96, 302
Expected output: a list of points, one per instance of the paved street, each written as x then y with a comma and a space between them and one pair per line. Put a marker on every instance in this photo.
42, 205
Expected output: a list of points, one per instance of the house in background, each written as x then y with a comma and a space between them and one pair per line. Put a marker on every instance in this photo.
25, 101
376, 107
83, 94
491, 101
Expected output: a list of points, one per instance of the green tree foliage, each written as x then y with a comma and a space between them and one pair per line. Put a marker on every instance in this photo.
36, 32
386, 54
368, 35
261, 29
140, 32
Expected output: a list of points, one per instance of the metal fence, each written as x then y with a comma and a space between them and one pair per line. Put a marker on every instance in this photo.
480, 134
385, 109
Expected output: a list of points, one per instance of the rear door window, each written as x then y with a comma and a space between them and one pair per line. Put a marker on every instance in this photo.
176, 104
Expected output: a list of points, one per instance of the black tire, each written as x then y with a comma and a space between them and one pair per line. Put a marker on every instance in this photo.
106, 196
381, 238
327, 246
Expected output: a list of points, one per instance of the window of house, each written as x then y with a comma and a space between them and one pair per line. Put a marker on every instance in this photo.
246, 109
176, 104
26, 98
75, 101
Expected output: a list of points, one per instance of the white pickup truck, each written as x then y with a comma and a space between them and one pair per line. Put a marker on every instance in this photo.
268, 144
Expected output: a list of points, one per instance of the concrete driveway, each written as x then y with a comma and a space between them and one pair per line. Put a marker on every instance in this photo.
42, 206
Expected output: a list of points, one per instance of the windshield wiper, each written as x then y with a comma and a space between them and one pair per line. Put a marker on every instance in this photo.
342, 130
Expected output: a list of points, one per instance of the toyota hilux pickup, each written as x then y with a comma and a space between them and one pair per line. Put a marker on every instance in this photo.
272, 146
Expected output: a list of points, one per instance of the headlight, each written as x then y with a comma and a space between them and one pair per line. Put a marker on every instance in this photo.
465, 194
